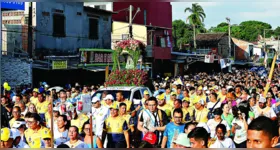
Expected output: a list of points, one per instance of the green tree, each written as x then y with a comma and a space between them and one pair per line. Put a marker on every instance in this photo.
196, 18
277, 32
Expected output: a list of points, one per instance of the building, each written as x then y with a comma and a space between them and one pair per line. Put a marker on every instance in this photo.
59, 31
157, 33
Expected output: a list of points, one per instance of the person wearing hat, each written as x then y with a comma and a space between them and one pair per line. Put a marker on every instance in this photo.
47, 136
263, 110
201, 114
7, 138
99, 114
187, 110
162, 105
146, 97
199, 95
35, 130
108, 101
34, 98
20, 124
182, 141
18, 142
116, 129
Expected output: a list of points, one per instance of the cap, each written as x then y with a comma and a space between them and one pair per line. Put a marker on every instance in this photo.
146, 92
109, 96
199, 88
95, 99
46, 135
17, 124
114, 106
150, 137
183, 140
262, 100
35, 90
161, 97
207, 92
55, 109
201, 101
188, 84
205, 88
6, 134
173, 93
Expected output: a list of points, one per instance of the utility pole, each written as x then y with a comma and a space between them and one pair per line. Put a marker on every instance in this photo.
130, 21
30, 34
229, 43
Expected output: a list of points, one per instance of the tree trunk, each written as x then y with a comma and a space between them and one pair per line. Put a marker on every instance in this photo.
194, 42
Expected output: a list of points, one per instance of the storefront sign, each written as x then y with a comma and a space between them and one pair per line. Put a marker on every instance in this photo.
13, 5
60, 64
92, 56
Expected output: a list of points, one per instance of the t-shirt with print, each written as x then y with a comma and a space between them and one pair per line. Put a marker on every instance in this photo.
172, 131
240, 132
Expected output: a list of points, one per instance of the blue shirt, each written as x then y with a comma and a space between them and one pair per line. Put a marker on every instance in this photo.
170, 130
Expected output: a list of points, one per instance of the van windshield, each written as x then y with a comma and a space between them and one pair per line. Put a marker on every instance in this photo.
126, 94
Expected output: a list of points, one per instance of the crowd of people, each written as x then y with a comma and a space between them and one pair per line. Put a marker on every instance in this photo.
223, 110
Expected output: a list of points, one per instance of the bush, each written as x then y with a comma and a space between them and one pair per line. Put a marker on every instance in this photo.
127, 78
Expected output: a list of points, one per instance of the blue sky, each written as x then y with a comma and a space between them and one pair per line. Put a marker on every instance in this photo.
216, 12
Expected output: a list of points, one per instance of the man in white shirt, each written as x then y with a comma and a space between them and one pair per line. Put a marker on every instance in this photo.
263, 110
99, 115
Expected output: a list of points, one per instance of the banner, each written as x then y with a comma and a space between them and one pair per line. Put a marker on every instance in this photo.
60, 64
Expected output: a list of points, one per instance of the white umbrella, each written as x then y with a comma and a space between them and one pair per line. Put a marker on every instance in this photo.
57, 88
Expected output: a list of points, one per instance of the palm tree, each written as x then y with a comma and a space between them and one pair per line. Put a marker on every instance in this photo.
196, 18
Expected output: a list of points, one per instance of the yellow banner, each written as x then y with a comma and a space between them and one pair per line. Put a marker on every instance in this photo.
62, 64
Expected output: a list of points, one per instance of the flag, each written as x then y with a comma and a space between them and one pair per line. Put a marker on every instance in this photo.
179, 81
222, 63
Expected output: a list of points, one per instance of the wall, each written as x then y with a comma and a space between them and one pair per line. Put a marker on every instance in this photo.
241, 49
120, 28
76, 29
15, 71
158, 14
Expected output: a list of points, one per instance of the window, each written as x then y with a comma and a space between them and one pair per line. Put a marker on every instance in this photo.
137, 95
145, 17
93, 28
58, 25
100, 7
158, 41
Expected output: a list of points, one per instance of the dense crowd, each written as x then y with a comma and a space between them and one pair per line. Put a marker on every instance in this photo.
194, 111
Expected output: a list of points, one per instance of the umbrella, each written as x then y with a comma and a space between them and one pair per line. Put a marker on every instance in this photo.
57, 88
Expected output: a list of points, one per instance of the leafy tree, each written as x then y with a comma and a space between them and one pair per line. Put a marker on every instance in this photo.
277, 32
196, 18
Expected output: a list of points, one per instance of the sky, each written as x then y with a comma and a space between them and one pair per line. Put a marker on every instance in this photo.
238, 11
